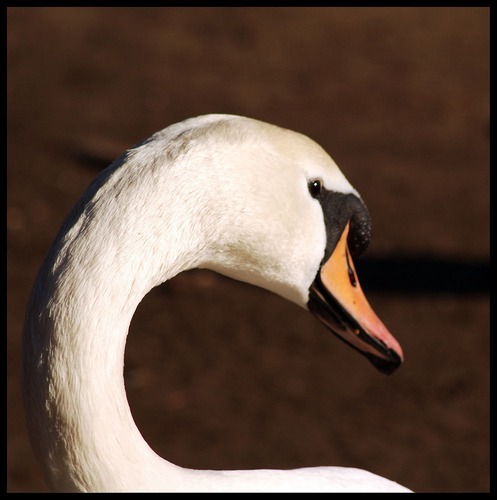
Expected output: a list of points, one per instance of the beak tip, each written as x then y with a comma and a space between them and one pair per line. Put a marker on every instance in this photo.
386, 366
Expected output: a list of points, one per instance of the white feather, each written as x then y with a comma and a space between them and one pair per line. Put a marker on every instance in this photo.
220, 192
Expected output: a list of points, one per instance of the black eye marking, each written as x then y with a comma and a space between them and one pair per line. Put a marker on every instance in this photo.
315, 187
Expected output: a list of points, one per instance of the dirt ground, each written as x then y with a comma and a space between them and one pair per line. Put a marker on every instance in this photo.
222, 375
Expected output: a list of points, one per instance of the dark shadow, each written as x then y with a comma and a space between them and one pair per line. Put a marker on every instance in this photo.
424, 274
95, 162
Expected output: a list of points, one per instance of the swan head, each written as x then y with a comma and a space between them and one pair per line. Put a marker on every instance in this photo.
250, 200
274, 210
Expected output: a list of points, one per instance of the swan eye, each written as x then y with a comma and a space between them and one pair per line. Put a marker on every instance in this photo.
315, 187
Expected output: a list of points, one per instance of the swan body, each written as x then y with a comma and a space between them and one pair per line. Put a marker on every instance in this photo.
244, 198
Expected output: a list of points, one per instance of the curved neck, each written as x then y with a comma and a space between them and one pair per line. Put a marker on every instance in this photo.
78, 414
76, 326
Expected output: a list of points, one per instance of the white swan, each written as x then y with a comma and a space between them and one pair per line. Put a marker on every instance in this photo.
244, 198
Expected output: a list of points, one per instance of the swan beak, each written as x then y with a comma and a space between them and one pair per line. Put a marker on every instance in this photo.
337, 299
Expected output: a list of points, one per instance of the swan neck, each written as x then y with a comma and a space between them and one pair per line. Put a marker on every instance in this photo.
77, 321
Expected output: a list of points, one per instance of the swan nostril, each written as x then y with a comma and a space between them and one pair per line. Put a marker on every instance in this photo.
353, 281
352, 277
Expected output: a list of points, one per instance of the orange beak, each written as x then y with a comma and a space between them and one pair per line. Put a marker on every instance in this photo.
337, 299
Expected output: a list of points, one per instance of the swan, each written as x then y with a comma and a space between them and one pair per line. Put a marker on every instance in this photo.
247, 199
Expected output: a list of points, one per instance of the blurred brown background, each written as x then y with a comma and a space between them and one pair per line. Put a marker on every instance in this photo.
223, 375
